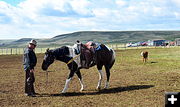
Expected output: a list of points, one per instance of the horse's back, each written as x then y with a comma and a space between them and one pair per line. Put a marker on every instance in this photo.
105, 55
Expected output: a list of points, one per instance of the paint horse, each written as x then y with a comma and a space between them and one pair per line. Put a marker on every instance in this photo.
145, 56
103, 56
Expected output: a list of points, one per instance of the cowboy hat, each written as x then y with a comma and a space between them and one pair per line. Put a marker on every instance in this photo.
33, 42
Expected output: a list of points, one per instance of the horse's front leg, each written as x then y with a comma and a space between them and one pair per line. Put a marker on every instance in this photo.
80, 80
71, 74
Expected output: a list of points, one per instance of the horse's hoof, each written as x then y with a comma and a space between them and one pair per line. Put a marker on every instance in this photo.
98, 88
63, 92
81, 90
106, 87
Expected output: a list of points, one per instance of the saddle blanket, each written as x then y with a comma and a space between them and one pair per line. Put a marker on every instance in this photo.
72, 50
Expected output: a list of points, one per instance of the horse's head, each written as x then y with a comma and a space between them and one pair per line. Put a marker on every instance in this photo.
48, 59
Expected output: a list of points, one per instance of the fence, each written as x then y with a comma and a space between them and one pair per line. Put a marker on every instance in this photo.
16, 51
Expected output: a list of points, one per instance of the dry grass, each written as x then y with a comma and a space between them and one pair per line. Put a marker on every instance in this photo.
132, 83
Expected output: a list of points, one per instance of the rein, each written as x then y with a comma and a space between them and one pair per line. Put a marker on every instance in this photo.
46, 78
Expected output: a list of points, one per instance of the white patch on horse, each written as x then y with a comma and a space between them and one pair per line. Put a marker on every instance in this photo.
82, 84
45, 57
106, 85
66, 85
114, 55
72, 54
142, 53
108, 48
100, 79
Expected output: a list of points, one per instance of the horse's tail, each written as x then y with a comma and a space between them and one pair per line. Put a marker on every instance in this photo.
113, 56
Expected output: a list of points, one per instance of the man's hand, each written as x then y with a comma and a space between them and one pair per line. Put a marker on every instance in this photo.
32, 70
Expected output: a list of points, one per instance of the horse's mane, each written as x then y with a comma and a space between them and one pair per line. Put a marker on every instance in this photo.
62, 51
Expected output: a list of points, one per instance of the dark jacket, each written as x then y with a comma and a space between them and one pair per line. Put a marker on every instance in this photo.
29, 59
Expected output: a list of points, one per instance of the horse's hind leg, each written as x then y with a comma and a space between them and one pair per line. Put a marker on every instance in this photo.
143, 60
68, 81
100, 76
80, 80
108, 76
146, 59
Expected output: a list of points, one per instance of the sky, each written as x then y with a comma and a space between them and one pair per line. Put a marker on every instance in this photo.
48, 18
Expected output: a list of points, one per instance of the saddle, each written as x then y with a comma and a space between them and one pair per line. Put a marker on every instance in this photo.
87, 56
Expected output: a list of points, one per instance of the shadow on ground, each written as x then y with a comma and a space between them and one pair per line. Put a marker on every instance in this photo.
104, 91
153, 62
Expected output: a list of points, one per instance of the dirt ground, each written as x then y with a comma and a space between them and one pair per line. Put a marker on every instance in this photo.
132, 83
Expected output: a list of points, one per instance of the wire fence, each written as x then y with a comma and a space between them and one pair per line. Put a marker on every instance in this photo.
17, 51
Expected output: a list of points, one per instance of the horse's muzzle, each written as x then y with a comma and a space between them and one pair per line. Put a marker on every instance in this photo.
44, 66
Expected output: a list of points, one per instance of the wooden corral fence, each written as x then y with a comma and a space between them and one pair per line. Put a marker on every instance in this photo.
16, 51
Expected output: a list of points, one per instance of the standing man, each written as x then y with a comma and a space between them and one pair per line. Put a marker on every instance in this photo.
29, 62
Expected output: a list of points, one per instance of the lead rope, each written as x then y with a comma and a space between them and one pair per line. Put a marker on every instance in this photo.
46, 79
73, 58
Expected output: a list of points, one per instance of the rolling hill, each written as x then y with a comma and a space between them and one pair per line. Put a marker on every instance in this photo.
97, 36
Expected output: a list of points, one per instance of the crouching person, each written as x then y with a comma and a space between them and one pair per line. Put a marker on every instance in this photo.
29, 62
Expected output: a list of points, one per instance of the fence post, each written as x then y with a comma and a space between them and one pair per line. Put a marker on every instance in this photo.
6, 51
11, 51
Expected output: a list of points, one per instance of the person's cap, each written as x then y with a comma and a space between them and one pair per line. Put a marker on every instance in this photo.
33, 42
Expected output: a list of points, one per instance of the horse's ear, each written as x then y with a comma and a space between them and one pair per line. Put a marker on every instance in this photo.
47, 50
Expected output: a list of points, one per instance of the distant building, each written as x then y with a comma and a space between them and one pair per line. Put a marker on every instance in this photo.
177, 41
156, 42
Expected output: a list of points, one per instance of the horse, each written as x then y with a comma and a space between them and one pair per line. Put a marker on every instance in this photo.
103, 56
145, 56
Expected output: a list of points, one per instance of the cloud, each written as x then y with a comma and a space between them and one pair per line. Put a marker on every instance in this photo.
121, 2
176, 2
48, 18
4, 19
58, 8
